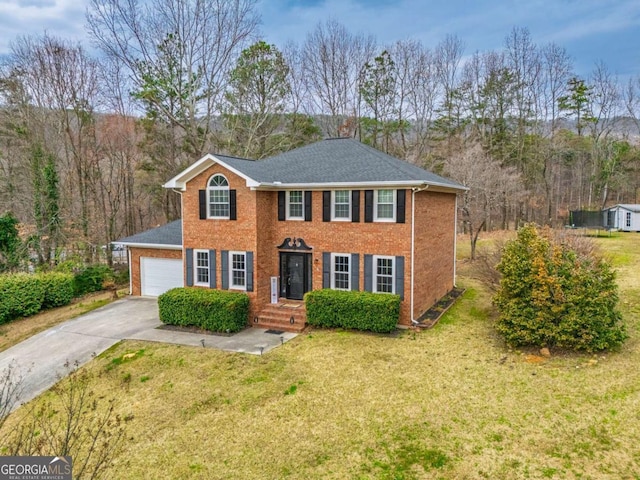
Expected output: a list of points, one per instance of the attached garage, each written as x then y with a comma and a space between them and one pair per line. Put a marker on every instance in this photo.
155, 260
157, 275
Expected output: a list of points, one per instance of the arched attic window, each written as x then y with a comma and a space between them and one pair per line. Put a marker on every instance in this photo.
218, 197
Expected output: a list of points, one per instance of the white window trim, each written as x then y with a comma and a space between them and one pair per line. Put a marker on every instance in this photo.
231, 285
289, 217
218, 188
195, 268
333, 207
374, 280
627, 219
394, 195
333, 270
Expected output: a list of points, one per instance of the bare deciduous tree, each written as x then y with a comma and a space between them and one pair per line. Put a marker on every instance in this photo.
177, 56
489, 185
61, 83
11, 388
72, 422
332, 61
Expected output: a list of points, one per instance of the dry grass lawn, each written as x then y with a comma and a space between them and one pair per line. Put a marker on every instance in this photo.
452, 402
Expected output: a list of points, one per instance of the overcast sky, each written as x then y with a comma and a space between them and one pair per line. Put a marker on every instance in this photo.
590, 30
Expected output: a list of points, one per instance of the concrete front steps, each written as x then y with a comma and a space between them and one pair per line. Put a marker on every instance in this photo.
289, 316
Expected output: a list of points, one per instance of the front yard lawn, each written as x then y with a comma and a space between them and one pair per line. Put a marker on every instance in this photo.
452, 402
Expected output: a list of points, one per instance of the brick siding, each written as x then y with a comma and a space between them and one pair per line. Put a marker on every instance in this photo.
257, 229
434, 248
136, 253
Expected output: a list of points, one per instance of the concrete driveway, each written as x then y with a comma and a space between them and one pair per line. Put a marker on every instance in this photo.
47, 357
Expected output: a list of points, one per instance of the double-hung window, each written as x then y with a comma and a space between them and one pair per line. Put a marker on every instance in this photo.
341, 205
341, 271
218, 194
238, 270
295, 205
201, 270
628, 219
384, 274
385, 206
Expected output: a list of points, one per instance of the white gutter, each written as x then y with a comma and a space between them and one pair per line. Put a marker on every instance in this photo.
152, 245
356, 185
413, 244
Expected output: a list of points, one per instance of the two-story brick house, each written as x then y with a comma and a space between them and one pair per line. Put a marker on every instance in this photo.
334, 214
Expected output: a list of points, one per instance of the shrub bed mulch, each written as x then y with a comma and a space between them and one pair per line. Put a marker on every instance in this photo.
433, 315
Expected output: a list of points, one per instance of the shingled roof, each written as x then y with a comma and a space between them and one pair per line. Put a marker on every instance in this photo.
633, 207
167, 236
336, 161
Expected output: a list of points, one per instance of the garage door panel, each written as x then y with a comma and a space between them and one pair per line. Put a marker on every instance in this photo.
157, 275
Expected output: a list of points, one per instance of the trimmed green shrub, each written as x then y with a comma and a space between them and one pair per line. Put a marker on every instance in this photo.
375, 312
58, 289
91, 279
21, 295
552, 295
214, 310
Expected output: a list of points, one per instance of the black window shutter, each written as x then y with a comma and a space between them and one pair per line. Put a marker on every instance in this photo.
401, 197
224, 263
249, 266
326, 270
307, 206
282, 205
355, 271
212, 269
233, 214
326, 206
355, 206
189, 260
368, 206
368, 273
400, 277
202, 203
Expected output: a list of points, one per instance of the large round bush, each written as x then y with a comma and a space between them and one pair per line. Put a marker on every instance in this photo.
552, 295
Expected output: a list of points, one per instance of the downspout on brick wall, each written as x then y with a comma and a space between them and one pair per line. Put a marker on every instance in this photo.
414, 190
130, 271
455, 242
179, 192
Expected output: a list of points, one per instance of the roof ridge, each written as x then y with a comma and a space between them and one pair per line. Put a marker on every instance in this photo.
233, 157
393, 161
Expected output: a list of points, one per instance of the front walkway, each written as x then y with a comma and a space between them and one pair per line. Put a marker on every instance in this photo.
48, 356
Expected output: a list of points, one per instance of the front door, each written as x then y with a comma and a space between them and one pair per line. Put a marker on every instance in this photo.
294, 275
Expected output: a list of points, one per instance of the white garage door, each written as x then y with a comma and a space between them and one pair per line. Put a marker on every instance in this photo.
157, 275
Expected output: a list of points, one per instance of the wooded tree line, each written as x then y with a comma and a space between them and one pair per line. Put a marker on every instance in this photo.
88, 136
